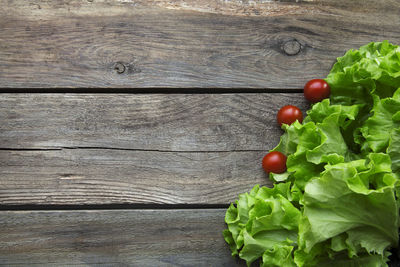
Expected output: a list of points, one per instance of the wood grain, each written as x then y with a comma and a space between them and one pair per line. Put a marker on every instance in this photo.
169, 122
137, 149
98, 176
183, 43
114, 238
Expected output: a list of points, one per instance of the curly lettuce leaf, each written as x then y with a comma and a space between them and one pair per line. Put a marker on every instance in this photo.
278, 256
378, 128
260, 221
334, 206
373, 69
316, 142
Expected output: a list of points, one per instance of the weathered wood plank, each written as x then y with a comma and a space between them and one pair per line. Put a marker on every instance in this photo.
96, 176
185, 122
187, 43
102, 149
99, 149
114, 238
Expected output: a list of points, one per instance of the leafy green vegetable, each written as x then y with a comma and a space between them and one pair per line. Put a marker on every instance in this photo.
263, 219
338, 202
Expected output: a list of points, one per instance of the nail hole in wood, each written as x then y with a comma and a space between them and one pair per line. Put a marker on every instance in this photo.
291, 47
119, 68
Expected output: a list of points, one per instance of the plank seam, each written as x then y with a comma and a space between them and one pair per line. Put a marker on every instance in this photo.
28, 207
151, 90
130, 149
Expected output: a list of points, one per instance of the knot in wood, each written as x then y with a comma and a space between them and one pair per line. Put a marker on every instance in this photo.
291, 48
119, 68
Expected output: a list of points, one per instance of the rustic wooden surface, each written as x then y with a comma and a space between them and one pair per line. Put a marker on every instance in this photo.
183, 43
137, 149
69, 162
114, 238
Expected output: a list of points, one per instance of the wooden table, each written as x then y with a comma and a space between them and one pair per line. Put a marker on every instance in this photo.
127, 127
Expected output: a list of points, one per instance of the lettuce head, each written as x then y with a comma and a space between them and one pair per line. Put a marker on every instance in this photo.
338, 202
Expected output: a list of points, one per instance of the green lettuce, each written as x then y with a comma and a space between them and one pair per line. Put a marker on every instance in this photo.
338, 202
262, 220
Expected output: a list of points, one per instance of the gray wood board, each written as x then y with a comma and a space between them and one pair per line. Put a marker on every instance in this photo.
133, 148
114, 238
156, 122
188, 43
104, 176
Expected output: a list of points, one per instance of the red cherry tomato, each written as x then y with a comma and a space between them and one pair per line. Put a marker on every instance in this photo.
274, 162
315, 90
289, 114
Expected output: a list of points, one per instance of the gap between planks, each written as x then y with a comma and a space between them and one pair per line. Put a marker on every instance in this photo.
129, 149
106, 207
150, 91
